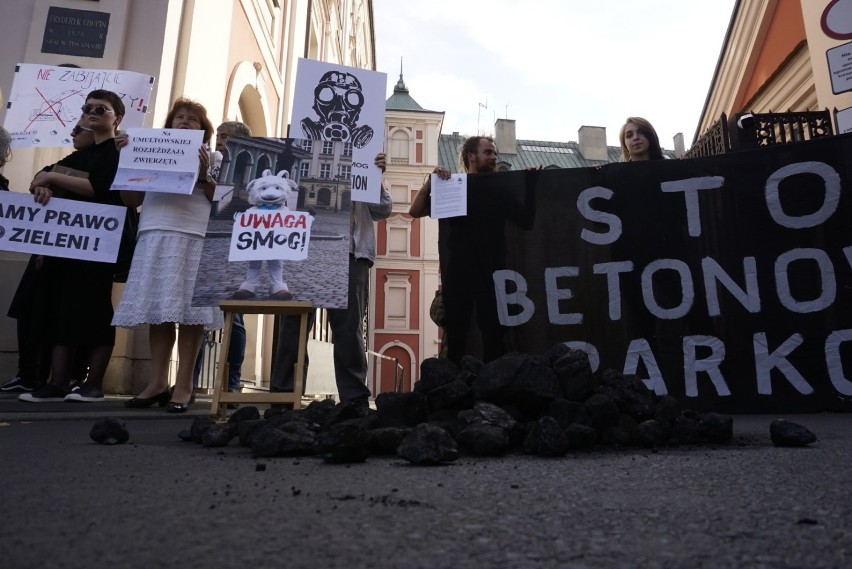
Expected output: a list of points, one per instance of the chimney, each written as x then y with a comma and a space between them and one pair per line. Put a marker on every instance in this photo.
593, 143
679, 147
504, 136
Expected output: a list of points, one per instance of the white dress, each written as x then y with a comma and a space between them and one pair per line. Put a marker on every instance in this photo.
165, 263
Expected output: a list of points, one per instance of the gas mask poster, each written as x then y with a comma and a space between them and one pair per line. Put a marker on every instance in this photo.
338, 104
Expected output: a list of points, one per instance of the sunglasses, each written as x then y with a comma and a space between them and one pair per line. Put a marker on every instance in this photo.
99, 110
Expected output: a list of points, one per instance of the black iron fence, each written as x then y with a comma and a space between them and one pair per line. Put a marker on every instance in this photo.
745, 131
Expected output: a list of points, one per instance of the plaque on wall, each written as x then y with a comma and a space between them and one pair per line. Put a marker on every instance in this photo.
75, 32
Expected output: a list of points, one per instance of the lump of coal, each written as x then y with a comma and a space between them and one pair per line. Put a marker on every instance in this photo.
343, 443
788, 434
385, 440
218, 436
481, 439
428, 444
546, 438
199, 425
109, 431
401, 409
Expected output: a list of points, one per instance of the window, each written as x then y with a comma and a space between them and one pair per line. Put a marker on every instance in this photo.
344, 171
304, 168
399, 146
400, 193
347, 149
308, 145
327, 147
325, 170
398, 240
397, 295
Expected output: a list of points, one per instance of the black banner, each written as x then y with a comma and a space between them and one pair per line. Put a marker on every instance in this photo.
725, 281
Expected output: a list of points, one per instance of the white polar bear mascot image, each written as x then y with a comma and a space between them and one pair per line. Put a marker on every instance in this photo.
267, 194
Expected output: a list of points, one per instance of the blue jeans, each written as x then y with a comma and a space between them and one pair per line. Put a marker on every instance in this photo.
347, 328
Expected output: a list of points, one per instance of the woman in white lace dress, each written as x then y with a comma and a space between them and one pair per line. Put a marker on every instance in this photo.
162, 275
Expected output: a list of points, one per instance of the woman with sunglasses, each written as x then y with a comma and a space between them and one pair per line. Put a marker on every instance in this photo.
162, 275
33, 355
76, 295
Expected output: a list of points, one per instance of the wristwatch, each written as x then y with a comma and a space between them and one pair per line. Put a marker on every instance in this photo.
207, 179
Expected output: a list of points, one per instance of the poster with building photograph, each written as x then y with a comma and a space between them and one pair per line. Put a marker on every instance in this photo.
45, 100
279, 224
338, 104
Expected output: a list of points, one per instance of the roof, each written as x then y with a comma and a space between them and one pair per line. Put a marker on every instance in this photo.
401, 100
531, 153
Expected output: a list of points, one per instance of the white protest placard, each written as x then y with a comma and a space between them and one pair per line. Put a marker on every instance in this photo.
844, 120
448, 197
63, 228
840, 68
159, 160
271, 234
336, 103
44, 103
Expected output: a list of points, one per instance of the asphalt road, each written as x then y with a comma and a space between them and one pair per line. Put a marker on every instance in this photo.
158, 502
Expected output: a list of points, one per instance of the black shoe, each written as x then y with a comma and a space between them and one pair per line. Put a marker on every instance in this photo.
175, 407
18, 385
142, 403
49, 392
88, 393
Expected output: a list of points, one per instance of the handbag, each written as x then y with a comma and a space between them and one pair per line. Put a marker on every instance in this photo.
126, 247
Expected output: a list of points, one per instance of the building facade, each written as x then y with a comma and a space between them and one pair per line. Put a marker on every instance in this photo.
236, 57
775, 59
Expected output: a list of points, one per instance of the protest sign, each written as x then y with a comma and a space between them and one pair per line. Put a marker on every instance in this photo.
63, 228
278, 223
159, 160
44, 103
335, 103
261, 234
723, 280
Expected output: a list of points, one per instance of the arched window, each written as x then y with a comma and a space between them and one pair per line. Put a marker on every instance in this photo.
398, 146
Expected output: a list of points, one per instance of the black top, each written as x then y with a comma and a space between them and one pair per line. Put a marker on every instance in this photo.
101, 162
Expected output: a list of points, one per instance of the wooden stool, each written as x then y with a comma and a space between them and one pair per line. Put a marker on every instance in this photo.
221, 395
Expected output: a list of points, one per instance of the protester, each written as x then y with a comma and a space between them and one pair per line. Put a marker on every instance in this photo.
347, 324
639, 141
165, 265
76, 296
33, 354
462, 297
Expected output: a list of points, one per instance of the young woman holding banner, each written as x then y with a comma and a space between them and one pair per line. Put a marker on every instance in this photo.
639, 141
76, 299
165, 264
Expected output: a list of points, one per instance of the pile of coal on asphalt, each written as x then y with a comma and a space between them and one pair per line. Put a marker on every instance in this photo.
544, 405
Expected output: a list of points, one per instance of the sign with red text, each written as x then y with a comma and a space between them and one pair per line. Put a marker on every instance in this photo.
62, 228
44, 103
271, 234
159, 160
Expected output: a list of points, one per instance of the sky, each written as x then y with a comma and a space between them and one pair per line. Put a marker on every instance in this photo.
554, 65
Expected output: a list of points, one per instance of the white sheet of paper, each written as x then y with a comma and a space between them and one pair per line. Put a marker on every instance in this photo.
63, 228
45, 100
449, 197
343, 104
159, 160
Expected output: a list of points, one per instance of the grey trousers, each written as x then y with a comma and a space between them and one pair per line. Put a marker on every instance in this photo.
347, 328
